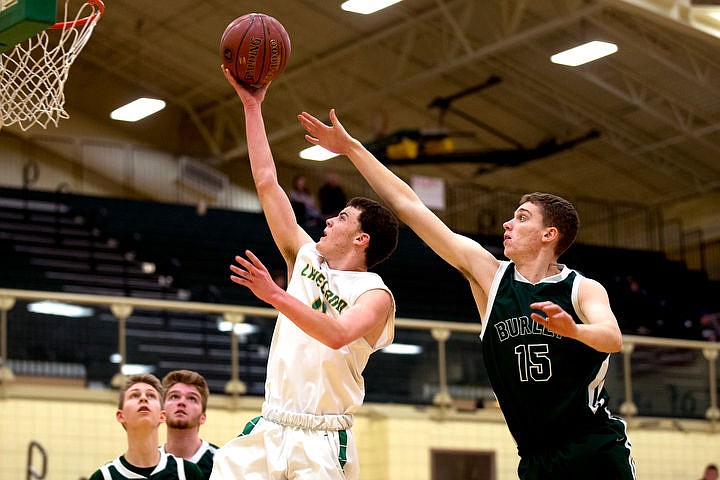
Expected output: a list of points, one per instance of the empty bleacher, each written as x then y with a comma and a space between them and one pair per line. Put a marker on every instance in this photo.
72, 243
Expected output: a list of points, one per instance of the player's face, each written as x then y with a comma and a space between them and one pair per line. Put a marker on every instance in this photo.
142, 407
524, 232
183, 406
339, 233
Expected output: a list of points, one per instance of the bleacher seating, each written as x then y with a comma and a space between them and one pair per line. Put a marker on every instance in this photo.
74, 243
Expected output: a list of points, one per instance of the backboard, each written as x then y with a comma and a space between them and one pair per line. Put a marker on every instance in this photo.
22, 19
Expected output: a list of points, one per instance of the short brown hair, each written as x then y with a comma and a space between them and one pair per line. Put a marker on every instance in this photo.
148, 378
559, 213
187, 377
382, 227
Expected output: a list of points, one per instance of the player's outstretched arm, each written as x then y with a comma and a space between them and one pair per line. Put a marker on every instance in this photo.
461, 252
366, 318
286, 232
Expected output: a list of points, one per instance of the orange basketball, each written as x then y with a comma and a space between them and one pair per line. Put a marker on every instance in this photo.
255, 48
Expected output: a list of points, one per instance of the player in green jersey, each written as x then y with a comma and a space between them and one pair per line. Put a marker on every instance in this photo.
140, 413
185, 402
547, 331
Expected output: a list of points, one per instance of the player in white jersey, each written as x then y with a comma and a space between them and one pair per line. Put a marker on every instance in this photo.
333, 315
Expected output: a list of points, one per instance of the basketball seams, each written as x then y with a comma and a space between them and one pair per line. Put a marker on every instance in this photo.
241, 44
266, 68
276, 31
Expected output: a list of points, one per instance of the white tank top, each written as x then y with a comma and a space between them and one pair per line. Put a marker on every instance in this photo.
303, 374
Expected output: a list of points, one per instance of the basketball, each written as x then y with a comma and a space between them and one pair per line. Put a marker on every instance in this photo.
255, 48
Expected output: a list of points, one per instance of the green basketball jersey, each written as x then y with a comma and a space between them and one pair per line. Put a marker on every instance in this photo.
169, 468
550, 388
203, 457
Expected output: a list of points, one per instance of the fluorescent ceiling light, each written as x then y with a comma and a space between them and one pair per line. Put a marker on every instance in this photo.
584, 53
137, 109
366, 6
403, 349
317, 153
715, 15
58, 308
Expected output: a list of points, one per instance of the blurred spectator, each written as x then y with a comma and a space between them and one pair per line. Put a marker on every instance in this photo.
279, 277
711, 472
710, 327
638, 312
303, 203
332, 196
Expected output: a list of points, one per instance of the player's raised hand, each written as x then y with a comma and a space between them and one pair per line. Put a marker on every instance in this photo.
249, 95
331, 137
251, 273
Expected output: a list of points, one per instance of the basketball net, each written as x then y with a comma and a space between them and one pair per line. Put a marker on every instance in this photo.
33, 73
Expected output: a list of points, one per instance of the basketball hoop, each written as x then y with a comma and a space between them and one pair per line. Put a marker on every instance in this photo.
33, 73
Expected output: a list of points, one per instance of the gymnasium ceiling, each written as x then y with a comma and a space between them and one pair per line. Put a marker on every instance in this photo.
642, 125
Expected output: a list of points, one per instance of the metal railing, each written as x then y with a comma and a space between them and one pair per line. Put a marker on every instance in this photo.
658, 376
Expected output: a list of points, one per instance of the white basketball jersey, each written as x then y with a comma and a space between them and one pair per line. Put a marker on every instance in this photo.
303, 374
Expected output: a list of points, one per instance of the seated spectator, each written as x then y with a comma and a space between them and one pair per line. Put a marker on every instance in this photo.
303, 203
332, 196
638, 312
710, 327
711, 472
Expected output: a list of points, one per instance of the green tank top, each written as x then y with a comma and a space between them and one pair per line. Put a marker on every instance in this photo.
550, 388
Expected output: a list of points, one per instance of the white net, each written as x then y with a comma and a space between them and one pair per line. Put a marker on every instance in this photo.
33, 73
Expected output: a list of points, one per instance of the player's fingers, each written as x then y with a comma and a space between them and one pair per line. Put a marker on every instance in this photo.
336, 121
239, 271
241, 259
309, 121
244, 263
255, 260
540, 305
551, 308
229, 76
303, 121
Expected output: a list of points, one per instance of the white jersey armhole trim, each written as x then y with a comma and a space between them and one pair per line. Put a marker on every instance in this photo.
492, 293
574, 297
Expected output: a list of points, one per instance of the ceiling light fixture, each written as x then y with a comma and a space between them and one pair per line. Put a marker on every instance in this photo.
584, 53
137, 109
317, 153
366, 6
